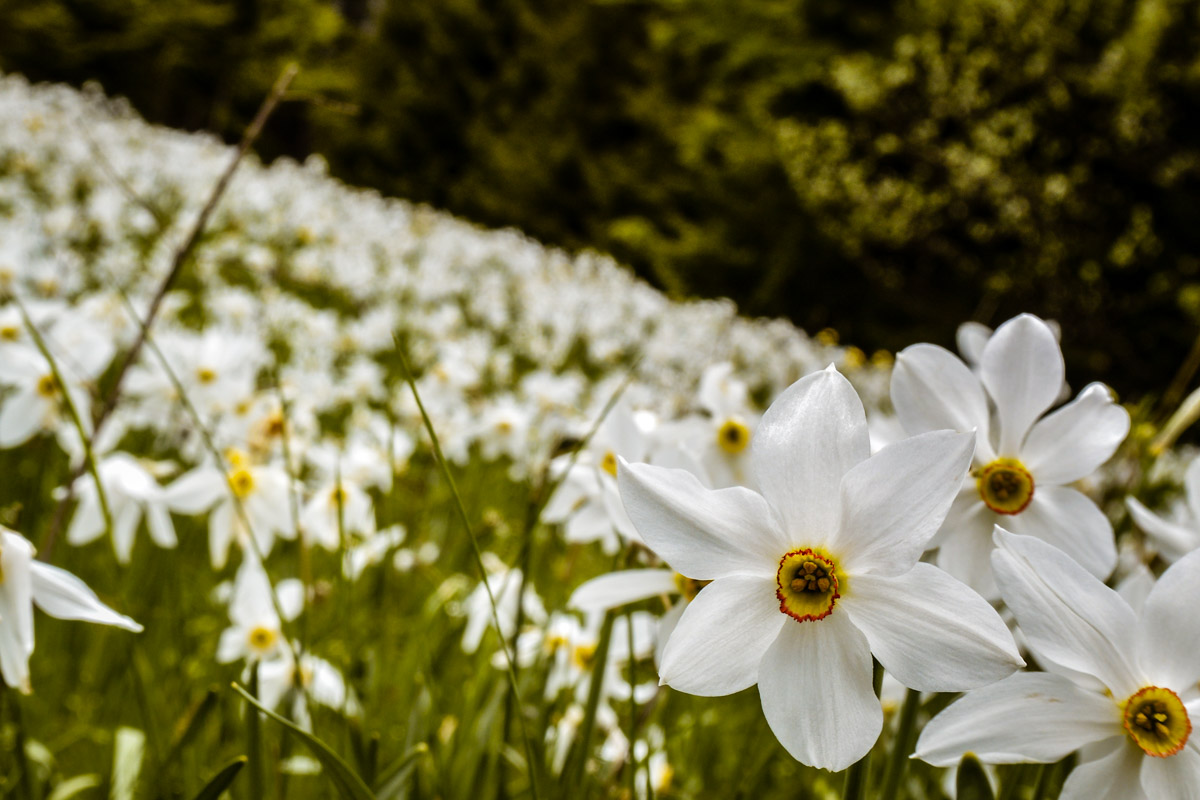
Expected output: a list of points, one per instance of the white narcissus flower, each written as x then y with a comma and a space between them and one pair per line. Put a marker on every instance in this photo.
1022, 464
818, 572
1120, 684
260, 489
130, 491
1172, 539
257, 631
25, 582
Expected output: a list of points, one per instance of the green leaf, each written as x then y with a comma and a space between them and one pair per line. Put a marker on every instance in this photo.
220, 782
347, 781
395, 776
972, 780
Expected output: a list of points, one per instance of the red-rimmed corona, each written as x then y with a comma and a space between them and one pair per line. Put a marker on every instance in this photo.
807, 584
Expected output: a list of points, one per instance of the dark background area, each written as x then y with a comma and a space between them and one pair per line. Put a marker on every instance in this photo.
888, 168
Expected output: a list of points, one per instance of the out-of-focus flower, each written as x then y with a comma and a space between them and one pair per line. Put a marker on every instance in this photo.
257, 631
1172, 539
131, 492
1022, 464
24, 583
819, 572
1120, 686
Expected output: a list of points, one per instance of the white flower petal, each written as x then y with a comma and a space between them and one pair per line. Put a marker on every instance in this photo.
126, 517
195, 491
1168, 629
966, 550
21, 417
931, 632
1077, 438
933, 390
232, 645
16, 609
807, 440
61, 594
894, 502
1022, 370
1067, 519
1069, 617
1113, 776
1176, 777
290, 593
720, 640
87, 523
620, 588
971, 338
1191, 485
816, 692
1028, 716
666, 626
160, 525
1172, 540
702, 533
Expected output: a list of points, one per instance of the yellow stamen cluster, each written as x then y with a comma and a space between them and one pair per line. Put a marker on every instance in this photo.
261, 639
1156, 720
47, 386
241, 481
583, 655
609, 463
206, 375
1005, 486
733, 436
808, 585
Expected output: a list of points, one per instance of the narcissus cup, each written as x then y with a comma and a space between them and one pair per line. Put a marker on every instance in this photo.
819, 571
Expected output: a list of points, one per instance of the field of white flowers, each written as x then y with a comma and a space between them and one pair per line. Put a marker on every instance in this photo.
281, 482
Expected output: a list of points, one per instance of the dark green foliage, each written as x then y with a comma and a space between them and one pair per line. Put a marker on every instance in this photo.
887, 168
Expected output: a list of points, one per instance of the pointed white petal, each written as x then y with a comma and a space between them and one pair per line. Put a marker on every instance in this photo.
807, 440
126, 517
1077, 438
620, 588
816, 692
933, 390
1191, 484
1028, 716
1176, 777
720, 640
87, 523
160, 525
220, 533
666, 626
1067, 519
1169, 538
1067, 615
1022, 369
1168, 630
232, 644
290, 593
966, 551
930, 631
195, 492
1112, 776
21, 417
1135, 587
971, 338
894, 502
702, 533
16, 609
61, 594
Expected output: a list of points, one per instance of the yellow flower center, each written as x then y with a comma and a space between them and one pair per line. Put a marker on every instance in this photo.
47, 386
733, 436
609, 463
689, 587
1005, 486
10, 333
1157, 721
261, 639
583, 655
807, 585
241, 482
337, 497
206, 375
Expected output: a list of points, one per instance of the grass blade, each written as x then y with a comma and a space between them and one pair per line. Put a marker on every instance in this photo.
220, 782
347, 781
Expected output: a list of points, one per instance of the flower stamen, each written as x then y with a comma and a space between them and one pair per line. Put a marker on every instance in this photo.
1157, 721
808, 585
733, 436
1005, 486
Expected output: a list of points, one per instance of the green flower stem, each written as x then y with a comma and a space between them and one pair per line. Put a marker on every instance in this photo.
856, 777
902, 746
